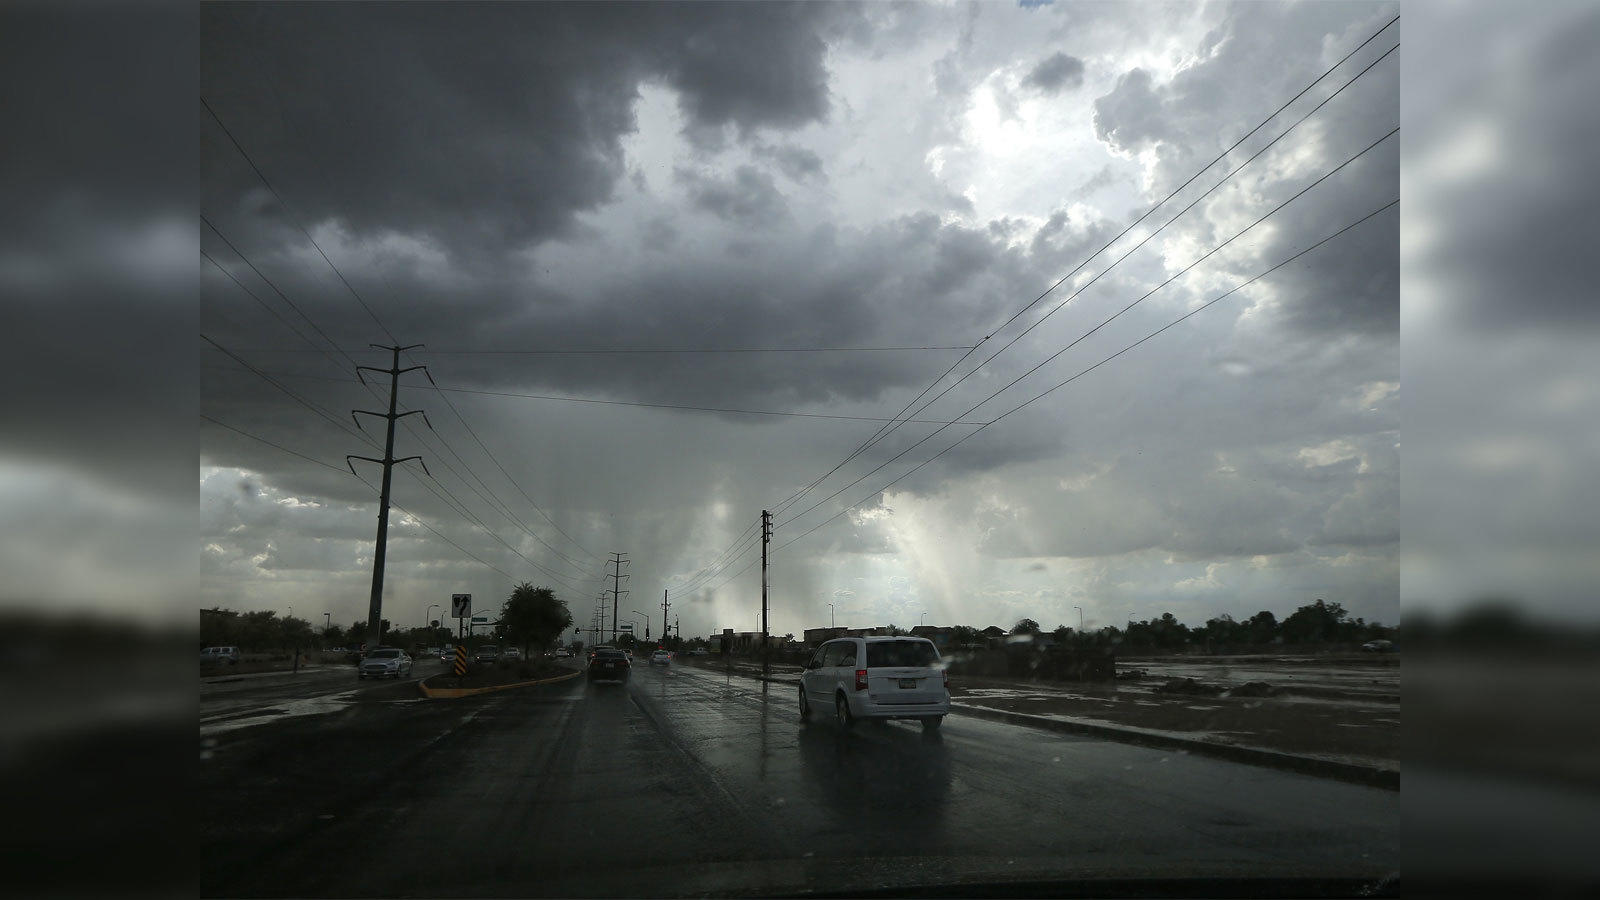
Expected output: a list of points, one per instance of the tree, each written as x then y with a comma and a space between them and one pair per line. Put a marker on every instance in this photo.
1025, 626
965, 636
533, 616
1261, 627
1314, 623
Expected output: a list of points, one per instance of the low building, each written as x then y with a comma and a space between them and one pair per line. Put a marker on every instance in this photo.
816, 636
943, 636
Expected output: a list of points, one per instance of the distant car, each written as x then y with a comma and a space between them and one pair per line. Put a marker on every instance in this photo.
1378, 647
876, 678
488, 655
661, 658
385, 662
512, 654
563, 653
699, 651
220, 656
609, 664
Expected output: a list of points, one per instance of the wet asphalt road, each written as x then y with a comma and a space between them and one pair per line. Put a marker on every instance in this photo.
689, 782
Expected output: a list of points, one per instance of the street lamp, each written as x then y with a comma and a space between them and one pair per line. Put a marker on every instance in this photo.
638, 616
291, 612
1080, 618
428, 620
923, 616
327, 622
830, 615
646, 623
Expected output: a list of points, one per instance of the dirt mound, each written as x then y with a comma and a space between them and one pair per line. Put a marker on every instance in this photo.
1188, 687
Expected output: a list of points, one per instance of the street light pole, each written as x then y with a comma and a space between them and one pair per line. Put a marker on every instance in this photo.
830, 615
327, 622
646, 618
1080, 618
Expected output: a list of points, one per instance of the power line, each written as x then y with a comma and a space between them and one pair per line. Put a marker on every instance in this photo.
1208, 304
1208, 254
285, 297
290, 213
1192, 204
263, 440
710, 572
414, 517
359, 299
487, 452
454, 502
684, 407
884, 431
610, 351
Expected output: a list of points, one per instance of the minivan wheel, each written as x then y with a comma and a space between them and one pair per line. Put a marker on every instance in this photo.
933, 723
842, 708
805, 708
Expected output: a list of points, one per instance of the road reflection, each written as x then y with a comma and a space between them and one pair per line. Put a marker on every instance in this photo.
877, 773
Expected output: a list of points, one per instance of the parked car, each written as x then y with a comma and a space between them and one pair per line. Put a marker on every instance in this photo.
487, 654
699, 651
876, 678
609, 664
661, 658
385, 662
1378, 647
512, 654
219, 656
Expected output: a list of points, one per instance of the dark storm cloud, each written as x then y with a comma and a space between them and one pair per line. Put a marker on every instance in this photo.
484, 127
1055, 72
750, 197
1516, 184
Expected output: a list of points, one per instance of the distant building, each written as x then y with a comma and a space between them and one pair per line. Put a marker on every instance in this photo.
815, 636
943, 636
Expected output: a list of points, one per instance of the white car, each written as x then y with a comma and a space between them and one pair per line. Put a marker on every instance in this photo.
562, 653
661, 658
385, 662
876, 678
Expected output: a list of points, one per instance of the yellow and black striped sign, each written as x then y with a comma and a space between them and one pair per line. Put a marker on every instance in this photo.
461, 660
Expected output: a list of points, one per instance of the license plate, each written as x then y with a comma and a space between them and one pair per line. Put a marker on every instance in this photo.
608, 665
908, 682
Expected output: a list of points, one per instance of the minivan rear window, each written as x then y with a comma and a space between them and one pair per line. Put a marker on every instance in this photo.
901, 653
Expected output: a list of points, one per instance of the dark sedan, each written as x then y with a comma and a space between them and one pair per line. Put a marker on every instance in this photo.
609, 665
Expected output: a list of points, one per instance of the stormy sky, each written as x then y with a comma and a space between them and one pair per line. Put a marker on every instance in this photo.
847, 200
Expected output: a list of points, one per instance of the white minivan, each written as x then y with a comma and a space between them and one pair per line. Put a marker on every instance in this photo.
876, 678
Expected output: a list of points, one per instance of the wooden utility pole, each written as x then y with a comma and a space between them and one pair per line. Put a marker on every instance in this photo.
766, 538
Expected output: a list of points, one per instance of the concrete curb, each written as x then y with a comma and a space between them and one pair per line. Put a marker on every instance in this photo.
1373, 776
456, 693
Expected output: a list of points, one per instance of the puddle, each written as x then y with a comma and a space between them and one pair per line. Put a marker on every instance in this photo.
310, 706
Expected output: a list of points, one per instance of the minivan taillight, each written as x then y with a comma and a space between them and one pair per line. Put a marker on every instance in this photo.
861, 679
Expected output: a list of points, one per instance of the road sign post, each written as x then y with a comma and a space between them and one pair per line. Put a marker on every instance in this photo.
460, 609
